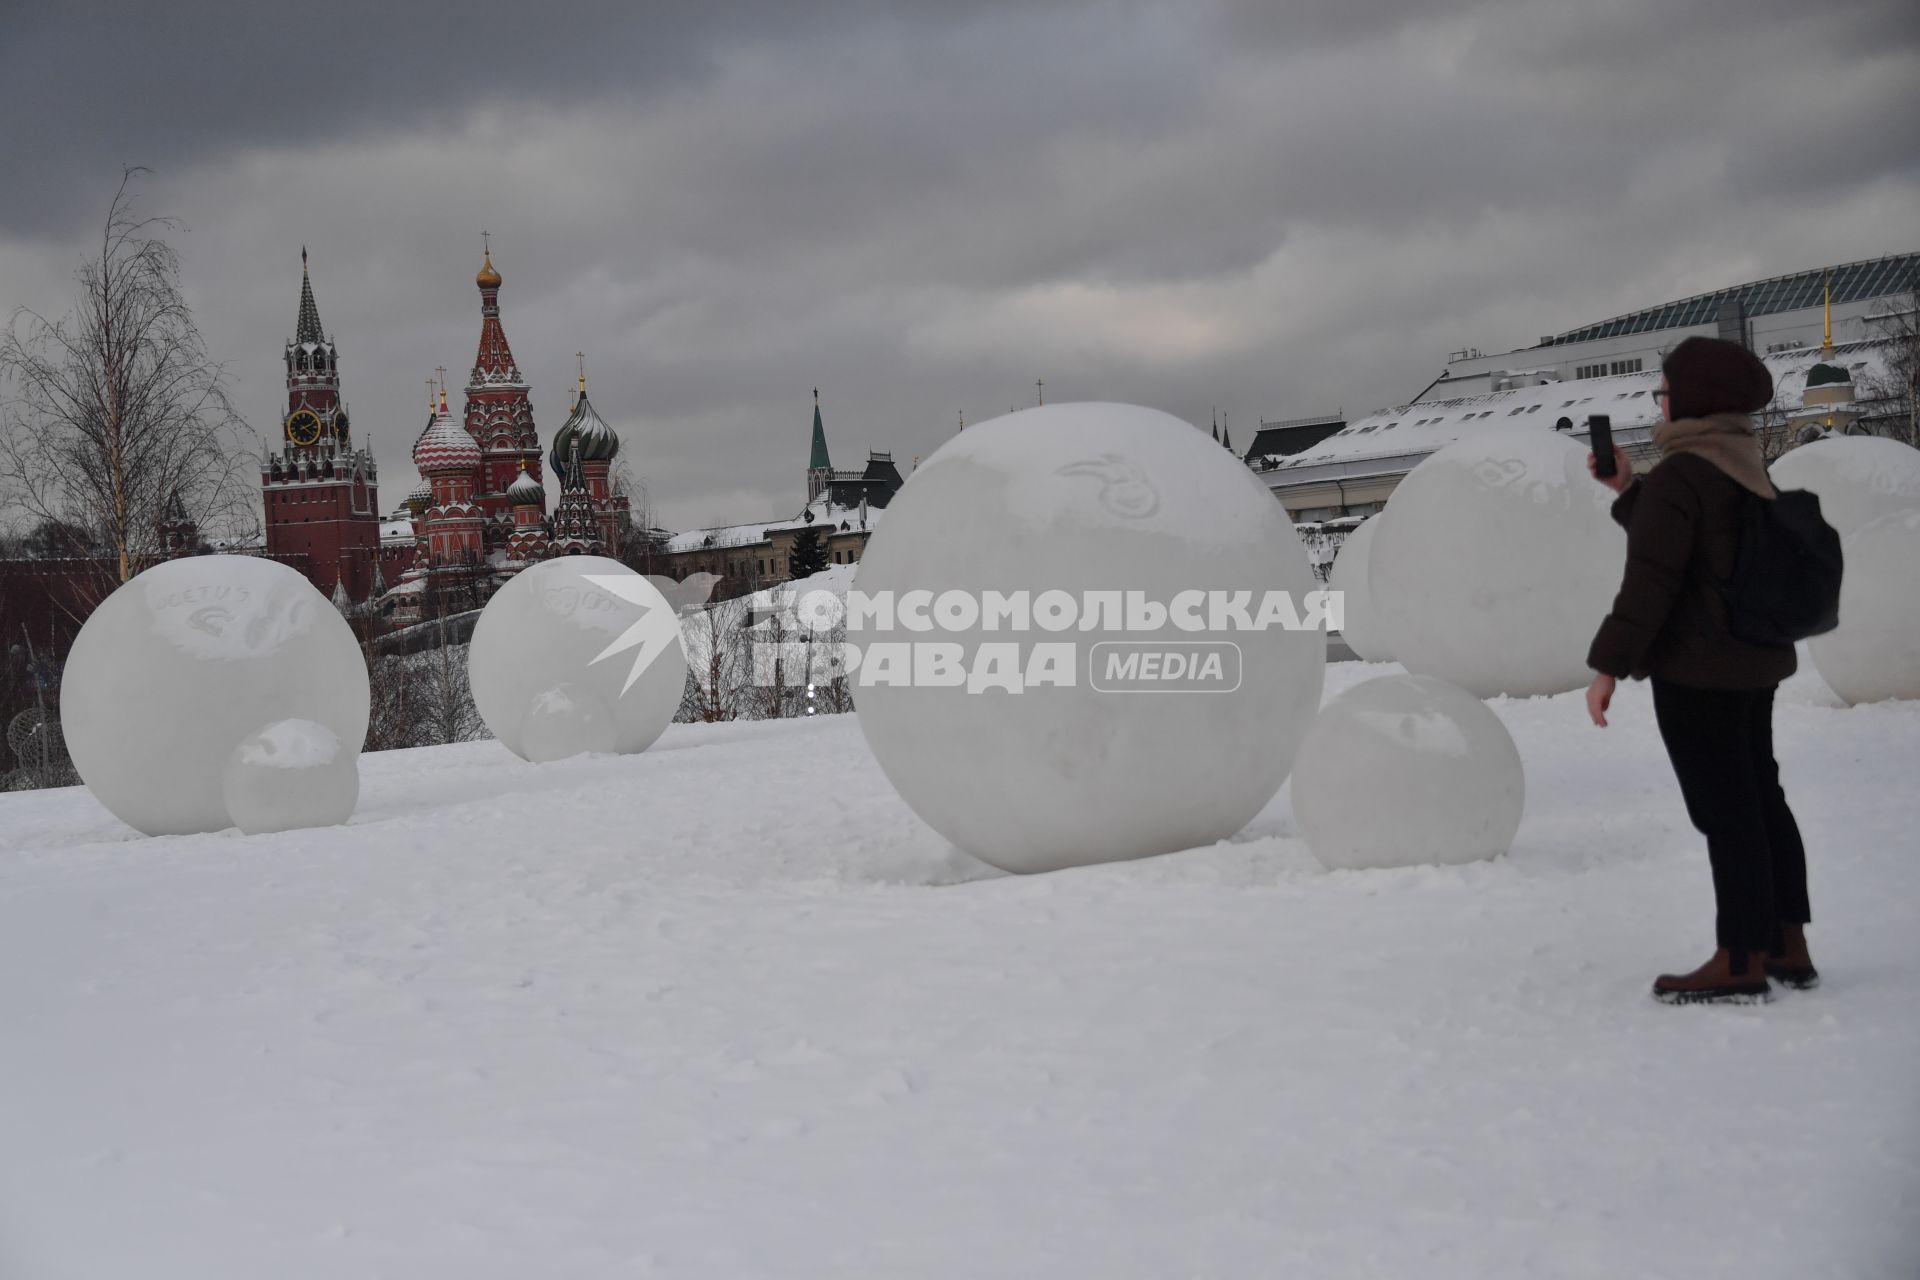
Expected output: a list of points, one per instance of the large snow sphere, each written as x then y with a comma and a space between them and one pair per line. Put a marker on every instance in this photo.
1858, 478
291, 774
1497, 564
1407, 770
1086, 501
554, 655
1874, 653
1359, 626
178, 666
565, 721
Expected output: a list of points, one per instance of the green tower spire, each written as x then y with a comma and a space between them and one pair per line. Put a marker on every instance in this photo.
817, 460
307, 329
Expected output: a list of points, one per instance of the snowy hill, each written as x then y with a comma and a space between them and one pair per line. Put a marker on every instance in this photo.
728, 1010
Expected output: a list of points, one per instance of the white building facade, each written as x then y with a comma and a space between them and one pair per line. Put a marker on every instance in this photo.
1613, 367
1780, 314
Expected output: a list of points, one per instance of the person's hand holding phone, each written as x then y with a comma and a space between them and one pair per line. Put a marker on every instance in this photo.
1622, 470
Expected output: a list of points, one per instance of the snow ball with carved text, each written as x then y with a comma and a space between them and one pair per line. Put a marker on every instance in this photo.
1497, 564
215, 691
1088, 634
577, 654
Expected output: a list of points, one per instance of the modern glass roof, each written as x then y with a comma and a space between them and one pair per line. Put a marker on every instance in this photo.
1853, 281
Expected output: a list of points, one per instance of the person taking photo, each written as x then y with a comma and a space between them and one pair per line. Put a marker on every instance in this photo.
1713, 693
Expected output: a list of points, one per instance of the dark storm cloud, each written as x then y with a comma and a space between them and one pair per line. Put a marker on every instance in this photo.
922, 208
165, 84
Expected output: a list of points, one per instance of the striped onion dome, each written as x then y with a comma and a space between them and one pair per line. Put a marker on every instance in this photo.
598, 441
525, 491
445, 446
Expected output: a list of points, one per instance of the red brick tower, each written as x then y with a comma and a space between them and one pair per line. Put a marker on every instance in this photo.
499, 415
320, 493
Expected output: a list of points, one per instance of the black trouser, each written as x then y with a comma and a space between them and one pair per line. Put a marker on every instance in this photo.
1721, 745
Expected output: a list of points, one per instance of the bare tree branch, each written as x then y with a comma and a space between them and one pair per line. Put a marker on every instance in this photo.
118, 408
1898, 322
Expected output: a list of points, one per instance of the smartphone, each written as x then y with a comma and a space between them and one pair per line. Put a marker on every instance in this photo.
1600, 432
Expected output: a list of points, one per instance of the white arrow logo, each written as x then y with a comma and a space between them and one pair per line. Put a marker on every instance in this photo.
652, 631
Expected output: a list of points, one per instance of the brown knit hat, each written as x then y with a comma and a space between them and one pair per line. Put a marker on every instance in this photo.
1709, 375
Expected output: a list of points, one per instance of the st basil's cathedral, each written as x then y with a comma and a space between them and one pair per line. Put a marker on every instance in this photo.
479, 514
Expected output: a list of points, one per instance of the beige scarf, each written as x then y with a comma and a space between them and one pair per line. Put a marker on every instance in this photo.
1724, 439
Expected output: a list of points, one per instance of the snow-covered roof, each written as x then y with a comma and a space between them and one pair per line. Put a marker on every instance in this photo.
828, 516
396, 530
1425, 426
733, 535
836, 578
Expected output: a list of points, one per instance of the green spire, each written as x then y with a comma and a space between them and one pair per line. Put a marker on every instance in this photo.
817, 461
308, 327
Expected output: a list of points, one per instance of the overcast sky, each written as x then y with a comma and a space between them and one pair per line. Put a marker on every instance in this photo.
924, 206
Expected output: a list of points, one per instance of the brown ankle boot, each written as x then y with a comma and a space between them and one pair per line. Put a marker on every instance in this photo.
1791, 963
1737, 977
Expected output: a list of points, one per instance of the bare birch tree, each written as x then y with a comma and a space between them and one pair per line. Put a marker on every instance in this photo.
1898, 321
719, 663
116, 409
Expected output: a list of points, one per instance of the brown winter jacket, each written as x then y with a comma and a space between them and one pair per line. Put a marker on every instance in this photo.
1683, 530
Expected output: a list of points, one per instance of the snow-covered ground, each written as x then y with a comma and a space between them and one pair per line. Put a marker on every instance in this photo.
728, 1010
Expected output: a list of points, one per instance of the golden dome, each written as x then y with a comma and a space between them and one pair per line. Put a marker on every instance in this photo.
488, 277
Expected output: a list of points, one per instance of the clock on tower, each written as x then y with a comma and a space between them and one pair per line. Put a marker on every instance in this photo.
303, 427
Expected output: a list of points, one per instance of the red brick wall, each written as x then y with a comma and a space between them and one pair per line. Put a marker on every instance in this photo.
319, 523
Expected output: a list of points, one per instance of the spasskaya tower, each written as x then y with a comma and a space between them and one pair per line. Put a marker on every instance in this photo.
320, 497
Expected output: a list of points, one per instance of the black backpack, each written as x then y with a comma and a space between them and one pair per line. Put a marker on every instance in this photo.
1786, 575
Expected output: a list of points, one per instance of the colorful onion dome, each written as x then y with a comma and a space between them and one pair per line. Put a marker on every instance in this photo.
445, 446
488, 278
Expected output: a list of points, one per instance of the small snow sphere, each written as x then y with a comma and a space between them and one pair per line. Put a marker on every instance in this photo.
1874, 654
179, 666
1407, 770
1858, 478
1497, 564
1102, 639
291, 774
1359, 626
577, 654
566, 720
